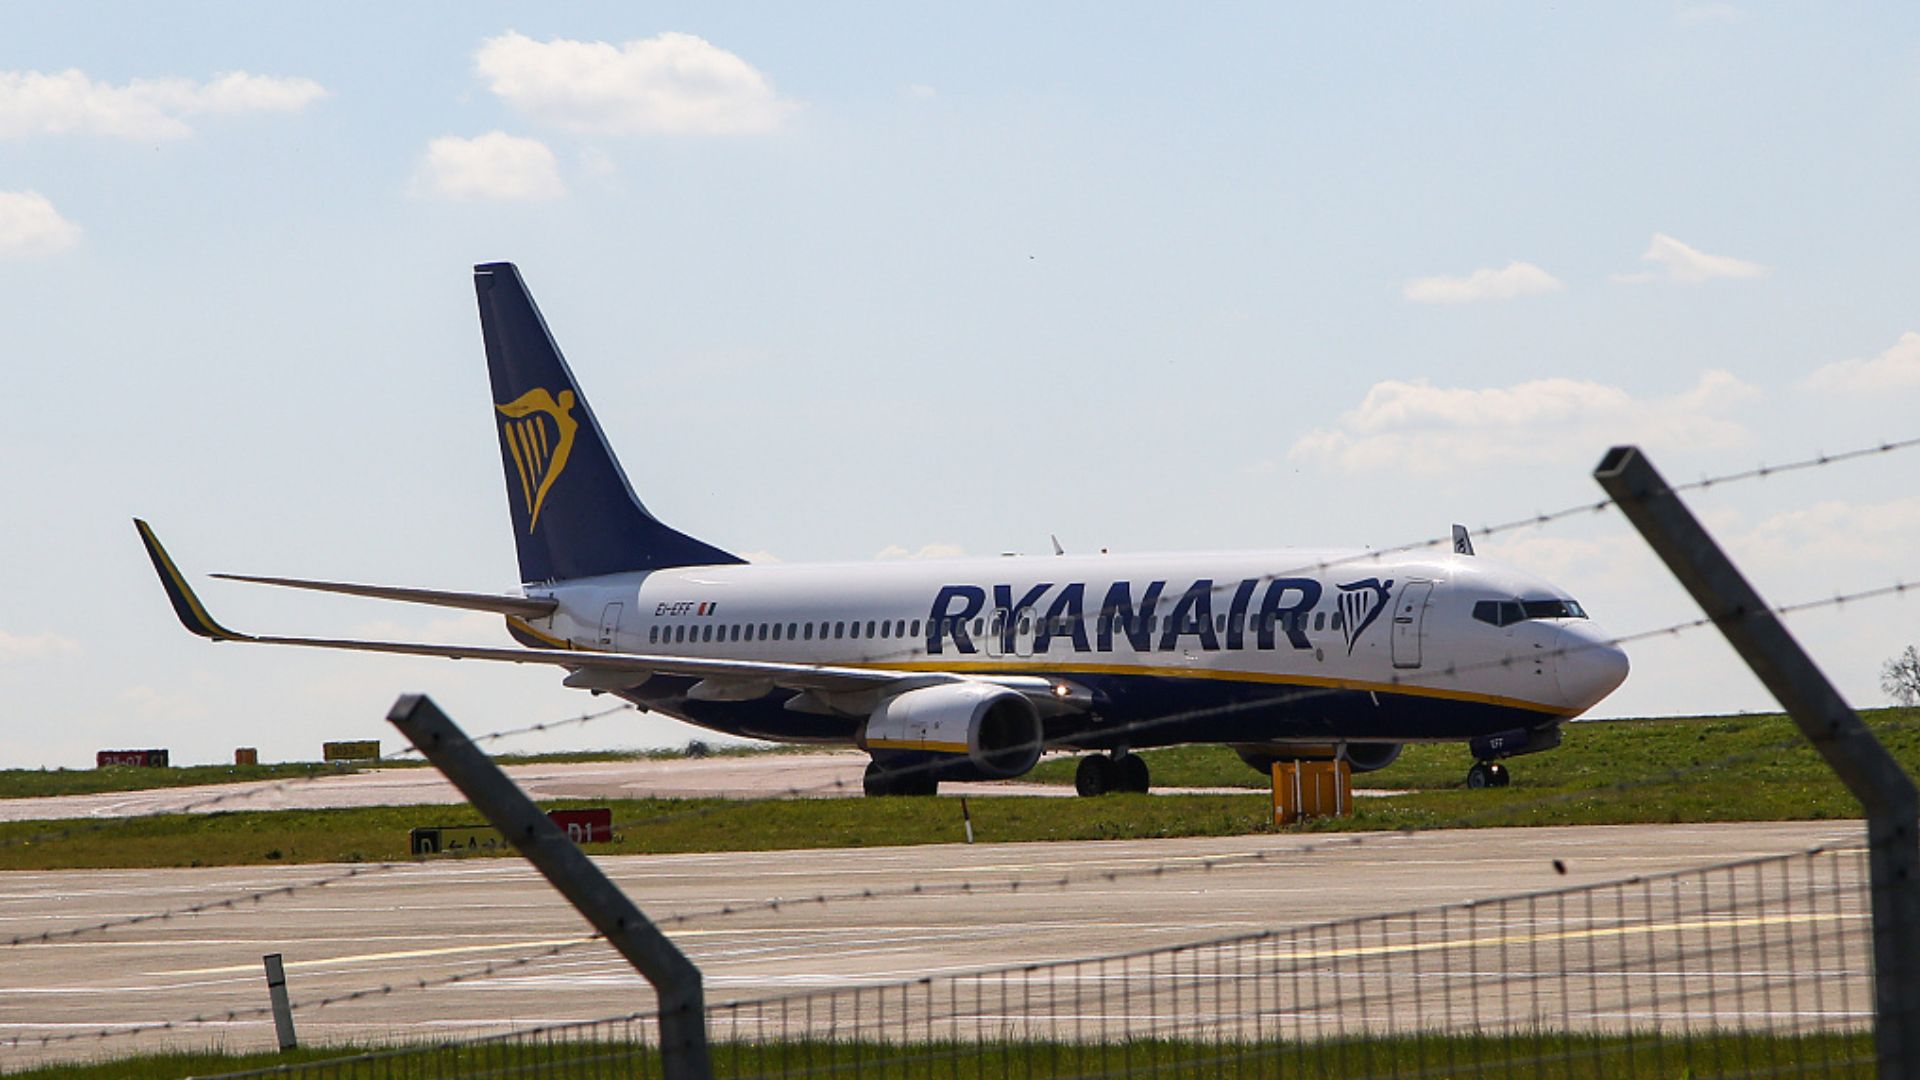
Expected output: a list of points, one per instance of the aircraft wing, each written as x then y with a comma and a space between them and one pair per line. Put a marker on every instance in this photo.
826, 679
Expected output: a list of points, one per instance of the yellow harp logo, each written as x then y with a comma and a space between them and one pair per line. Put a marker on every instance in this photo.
539, 434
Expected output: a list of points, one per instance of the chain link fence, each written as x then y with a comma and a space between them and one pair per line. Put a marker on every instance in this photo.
1757, 968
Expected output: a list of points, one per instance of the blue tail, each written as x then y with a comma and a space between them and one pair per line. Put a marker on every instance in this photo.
574, 515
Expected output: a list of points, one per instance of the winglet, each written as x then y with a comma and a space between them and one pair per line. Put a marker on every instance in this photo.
186, 605
1462, 540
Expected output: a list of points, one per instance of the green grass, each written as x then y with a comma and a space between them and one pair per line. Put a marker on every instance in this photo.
1576, 1057
1747, 768
1592, 755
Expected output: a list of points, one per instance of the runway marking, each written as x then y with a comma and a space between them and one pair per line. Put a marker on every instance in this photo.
1571, 935
407, 954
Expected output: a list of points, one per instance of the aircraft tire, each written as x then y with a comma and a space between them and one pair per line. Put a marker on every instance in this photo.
877, 781
1486, 774
1132, 774
1095, 775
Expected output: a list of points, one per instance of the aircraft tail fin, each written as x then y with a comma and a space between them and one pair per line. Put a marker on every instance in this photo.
574, 514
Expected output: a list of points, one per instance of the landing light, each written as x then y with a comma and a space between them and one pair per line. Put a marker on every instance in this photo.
1061, 690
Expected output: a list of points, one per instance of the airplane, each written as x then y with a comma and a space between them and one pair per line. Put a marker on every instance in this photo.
971, 668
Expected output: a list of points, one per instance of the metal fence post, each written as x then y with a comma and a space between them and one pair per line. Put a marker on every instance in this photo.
277, 997
1850, 749
676, 981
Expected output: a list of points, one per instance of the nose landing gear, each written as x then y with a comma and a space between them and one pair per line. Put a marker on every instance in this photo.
1486, 774
1100, 773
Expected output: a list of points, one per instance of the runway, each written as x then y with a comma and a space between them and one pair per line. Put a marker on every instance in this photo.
745, 776
428, 921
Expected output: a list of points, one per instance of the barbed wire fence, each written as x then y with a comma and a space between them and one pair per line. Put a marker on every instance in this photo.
1754, 968
877, 1028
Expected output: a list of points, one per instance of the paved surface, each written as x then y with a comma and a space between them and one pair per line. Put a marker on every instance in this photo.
827, 775
391, 927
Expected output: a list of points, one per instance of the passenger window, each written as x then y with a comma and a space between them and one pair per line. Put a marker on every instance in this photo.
1319, 620
1025, 625
776, 631
809, 636
869, 627
1339, 620
839, 630
679, 634
653, 635
736, 632
886, 628
979, 627
708, 636
853, 630
915, 630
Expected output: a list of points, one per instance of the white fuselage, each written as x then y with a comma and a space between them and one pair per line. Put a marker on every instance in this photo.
1317, 633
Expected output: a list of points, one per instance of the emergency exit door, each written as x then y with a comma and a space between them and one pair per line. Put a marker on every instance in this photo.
1409, 623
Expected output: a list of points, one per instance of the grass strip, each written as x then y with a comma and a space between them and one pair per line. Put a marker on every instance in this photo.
1649, 1054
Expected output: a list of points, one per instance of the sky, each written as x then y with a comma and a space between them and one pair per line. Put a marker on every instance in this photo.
854, 281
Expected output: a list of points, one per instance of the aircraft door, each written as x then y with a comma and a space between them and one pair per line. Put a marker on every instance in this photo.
1409, 623
610, 623
996, 643
1026, 623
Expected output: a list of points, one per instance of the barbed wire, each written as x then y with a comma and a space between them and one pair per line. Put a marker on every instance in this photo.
1010, 886
1452, 671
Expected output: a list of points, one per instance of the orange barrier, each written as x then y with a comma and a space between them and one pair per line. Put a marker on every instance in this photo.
1307, 789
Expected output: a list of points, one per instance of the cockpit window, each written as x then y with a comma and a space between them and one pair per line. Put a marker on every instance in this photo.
1498, 612
1552, 609
1508, 612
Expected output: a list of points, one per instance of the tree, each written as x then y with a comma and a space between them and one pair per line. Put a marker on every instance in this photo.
1900, 677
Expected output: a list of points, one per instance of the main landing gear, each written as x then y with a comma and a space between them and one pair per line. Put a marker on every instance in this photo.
1486, 774
918, 781
1100, 773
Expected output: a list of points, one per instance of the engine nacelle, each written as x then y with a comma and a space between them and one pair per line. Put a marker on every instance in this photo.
1362, 756
996, 728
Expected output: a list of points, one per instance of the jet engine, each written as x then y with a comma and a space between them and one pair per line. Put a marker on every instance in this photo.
996, 728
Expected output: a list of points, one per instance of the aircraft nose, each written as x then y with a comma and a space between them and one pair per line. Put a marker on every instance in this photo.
1591, 666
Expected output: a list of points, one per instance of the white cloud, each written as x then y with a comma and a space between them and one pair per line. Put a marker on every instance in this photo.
1512, 280
71, 103
1839, 535
1894, 370
673, 84
34, 646
1419, 427
29, 225
1688, 265
927, 551
491, 167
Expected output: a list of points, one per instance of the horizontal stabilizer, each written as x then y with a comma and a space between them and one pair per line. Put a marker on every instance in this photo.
523, 606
